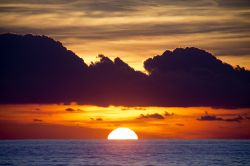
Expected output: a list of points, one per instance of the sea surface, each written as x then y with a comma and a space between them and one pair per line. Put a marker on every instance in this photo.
129, 153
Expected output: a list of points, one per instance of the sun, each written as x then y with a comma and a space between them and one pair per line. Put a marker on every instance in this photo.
122, 133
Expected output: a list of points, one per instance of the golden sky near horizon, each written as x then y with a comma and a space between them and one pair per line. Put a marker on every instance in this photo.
37, 121
135, 30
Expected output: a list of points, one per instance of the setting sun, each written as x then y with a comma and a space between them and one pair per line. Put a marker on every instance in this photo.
122, 133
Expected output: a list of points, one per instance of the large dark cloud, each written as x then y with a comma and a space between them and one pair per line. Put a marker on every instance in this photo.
37, 69
190, 76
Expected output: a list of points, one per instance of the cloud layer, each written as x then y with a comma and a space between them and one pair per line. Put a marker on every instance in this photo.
220, 26
37, 69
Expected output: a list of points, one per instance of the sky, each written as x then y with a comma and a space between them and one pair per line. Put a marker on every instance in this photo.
48, 96
135, 30
75, 121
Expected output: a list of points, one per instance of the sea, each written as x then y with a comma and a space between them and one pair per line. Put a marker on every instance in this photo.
128, 153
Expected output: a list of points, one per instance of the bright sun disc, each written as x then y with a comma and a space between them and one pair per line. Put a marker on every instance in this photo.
122, 133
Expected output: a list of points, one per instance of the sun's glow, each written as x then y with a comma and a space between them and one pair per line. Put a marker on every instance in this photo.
122, 133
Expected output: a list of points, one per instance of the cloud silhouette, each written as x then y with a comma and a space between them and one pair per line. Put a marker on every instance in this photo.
38, 69
73, 110
167, 114
37, 120
235, 119
113, 82
207, 117
96, 119
69, 110
151, 116
190, 76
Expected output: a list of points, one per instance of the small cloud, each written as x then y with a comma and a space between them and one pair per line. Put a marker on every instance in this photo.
140, 108
69, 109
151, 116
125, 108
179, 124
167, 114
132, 108
96, 119
236, 119
73, 110
208, 117
37, 120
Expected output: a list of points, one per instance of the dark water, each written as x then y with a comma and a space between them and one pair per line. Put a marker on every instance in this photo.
164, 152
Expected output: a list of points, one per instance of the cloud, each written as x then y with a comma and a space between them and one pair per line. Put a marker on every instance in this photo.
166, 114
190, 75
124, 27
69, 109
132, 108
208, 117
151, 116
235, 119
73, 110
38, 69
37, 120
96, 119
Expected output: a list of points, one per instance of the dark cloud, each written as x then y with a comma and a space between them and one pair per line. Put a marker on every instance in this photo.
139, 108
234, 4
96, 119
37, 69
237, 118
37, 120
151, 116
132, 108
179, 124
191, 75
73, 110
166, 114
114, 82
208, 117
69, 109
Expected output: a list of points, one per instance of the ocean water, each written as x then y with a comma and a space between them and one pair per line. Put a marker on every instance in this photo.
129, 153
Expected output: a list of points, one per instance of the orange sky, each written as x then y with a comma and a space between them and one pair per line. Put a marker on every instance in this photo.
92, 122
